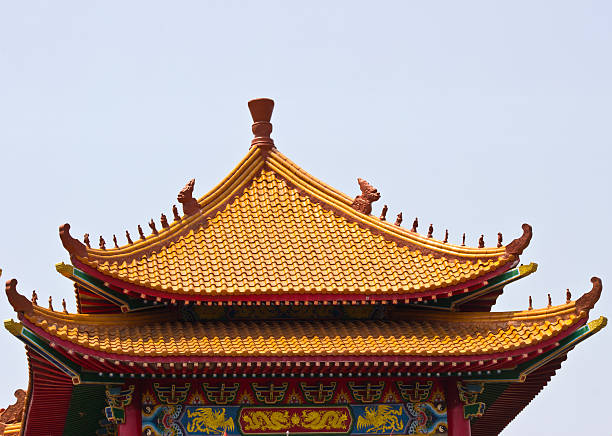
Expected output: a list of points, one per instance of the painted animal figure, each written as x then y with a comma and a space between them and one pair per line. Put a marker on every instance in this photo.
369, 194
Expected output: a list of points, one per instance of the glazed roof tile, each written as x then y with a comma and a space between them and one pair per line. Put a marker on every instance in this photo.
270, 229
422, 334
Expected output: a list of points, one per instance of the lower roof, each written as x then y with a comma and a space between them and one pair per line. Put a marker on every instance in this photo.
422, 334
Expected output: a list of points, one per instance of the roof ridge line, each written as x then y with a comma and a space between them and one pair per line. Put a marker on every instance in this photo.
301, 178
253, 161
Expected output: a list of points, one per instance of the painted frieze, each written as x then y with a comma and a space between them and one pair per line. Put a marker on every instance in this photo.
332, 407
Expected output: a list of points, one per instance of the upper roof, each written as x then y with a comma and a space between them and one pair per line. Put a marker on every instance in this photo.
271, 231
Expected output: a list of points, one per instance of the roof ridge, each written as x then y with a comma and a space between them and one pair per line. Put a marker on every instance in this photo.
279, 163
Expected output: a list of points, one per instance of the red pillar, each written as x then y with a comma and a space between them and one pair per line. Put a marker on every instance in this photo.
457, 424
133, 416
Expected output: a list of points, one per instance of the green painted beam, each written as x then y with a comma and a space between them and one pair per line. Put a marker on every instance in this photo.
98, 287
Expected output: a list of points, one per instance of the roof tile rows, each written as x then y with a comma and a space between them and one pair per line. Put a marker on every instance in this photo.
271, 239
417, 337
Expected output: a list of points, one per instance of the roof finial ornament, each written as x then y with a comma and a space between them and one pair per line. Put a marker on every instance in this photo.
517, 246
34, 297
129, 239
261, 112
500, 239
86, 240
74, 246
140, 232
18, 301
530, 303
177, 217
481, 241
549, 301
363, 202
102, 243
568, 296
185, 197
463, 240
430, 231
415, 225
115, 241
50, 302
445, 236
383, 214
64, 305
399, 219
152, 225
588, 300
164, 221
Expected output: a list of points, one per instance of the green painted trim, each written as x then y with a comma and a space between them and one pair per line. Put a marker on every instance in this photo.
493, 284
98, 287
520, 373
43, 348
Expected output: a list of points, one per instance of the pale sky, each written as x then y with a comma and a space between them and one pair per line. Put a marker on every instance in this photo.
473, 116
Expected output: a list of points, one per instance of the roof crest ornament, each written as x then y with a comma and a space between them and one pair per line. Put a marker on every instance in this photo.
261, 112
73, 246
363, 202
185, 197
517, 246
18, 301
588, 300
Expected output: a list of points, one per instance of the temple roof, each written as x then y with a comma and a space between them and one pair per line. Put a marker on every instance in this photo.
270, 230
423, 335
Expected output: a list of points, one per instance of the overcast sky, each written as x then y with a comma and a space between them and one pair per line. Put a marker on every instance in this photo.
473, 116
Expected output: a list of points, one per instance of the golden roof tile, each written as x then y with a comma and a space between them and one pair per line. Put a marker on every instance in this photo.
270, 229
420, 333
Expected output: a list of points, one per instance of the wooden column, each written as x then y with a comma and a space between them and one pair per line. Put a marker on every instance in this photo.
133, 415
457, 424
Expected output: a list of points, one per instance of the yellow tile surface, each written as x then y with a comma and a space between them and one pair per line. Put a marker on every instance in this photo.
260, 234
427, 334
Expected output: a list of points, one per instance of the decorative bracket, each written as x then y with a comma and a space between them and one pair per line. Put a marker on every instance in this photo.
118, 399
468, 394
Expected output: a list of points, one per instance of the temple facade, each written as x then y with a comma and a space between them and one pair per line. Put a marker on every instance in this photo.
277, 305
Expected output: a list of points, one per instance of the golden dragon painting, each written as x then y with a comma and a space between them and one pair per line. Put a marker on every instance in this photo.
207, 420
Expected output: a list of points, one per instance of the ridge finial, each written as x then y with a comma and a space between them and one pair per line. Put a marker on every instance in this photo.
517, 246
261, 112
430, 231
481, 242
164, 221
415, 225
18, 301
588, 300
185, 197
153, 228
383, 214
369, 194
73, 246
530, 303
399, 219
568, 296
